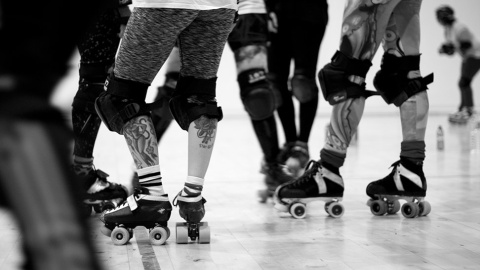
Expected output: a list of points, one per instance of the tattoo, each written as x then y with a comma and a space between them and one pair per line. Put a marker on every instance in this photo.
206, 130
391, 39
140, 136
359, 29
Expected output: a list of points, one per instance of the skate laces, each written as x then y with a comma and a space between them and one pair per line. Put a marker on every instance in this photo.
187, 199
310, 171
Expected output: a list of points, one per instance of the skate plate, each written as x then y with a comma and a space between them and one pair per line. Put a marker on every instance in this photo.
122, 233
297, 206
195, 231
415, 206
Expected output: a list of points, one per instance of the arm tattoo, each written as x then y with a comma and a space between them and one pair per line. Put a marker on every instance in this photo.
140, 136
206, 130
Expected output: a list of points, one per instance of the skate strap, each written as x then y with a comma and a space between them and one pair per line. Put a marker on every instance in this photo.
132, 203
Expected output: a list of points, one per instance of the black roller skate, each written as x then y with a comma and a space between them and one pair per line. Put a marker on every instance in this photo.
275, 175
405, 182
316, 184
100, 194
192, 209
295, 156
140, 209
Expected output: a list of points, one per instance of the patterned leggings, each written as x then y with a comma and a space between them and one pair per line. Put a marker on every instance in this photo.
151, 34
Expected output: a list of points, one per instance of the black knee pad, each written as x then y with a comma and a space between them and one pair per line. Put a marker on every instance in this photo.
464, 82
123, 101
194, 98
91, 85
303, 88
334, 78
391, 80
256, 93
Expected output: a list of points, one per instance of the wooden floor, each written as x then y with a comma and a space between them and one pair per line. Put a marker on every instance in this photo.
246, 234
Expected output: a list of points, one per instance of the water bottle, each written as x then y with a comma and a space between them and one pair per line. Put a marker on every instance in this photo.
440, 138
475, 137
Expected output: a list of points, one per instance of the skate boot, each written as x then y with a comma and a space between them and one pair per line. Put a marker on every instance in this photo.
295, 156
192, 209
140, 209
275, 175
317, 184
405, 182
100, 194
462, 116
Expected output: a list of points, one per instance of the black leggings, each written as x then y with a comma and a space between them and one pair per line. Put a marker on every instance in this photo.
301, 28
470, 67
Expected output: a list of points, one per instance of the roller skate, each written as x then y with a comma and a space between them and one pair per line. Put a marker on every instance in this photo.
192, 209
317, 184
405, 182
100, 194
140, 209
295, 156
275, 175
462, 116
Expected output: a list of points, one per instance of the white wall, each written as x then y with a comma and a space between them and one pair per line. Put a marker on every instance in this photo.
443, 93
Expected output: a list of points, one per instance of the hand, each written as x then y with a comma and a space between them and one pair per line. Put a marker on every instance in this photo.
447, 48
272, 22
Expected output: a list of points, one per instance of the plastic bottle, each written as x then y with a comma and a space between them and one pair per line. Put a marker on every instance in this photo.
440, 138
475, 137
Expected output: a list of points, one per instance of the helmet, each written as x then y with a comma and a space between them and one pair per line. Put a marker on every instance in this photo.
445, 14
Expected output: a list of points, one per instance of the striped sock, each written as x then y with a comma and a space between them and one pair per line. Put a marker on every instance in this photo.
82, 166
193, 187
151, 179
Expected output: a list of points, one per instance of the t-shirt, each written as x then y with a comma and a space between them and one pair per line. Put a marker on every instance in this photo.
187, 4
251, 6
459, 32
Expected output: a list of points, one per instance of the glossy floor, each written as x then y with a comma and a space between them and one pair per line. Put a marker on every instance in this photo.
246, 234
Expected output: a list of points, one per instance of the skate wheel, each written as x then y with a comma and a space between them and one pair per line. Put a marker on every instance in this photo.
378, 207
130, 231
410, 210
106, 231
395, 207
297, 210
158, 236
425, 208
335, 209
168, 232
182, 233
204, 233
120, 236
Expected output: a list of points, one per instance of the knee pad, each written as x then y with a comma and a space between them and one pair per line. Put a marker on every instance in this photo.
464, 83
334, 78
392, 81
192, 99
256, 93
92, 80
303, 88
123, 101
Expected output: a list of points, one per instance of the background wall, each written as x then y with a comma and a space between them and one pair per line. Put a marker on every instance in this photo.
443, 93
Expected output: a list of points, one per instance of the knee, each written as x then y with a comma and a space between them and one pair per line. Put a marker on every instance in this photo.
303, 88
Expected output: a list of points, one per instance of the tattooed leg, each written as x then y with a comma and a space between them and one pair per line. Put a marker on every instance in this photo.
201, 138
142, 143
405, 26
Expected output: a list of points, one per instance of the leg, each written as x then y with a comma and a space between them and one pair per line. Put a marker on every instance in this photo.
279, 60
407, 89
97, 53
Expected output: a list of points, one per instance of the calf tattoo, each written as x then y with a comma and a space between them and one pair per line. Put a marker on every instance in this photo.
142, 142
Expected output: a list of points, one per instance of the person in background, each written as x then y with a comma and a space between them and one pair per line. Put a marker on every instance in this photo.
459, 39
297, 29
